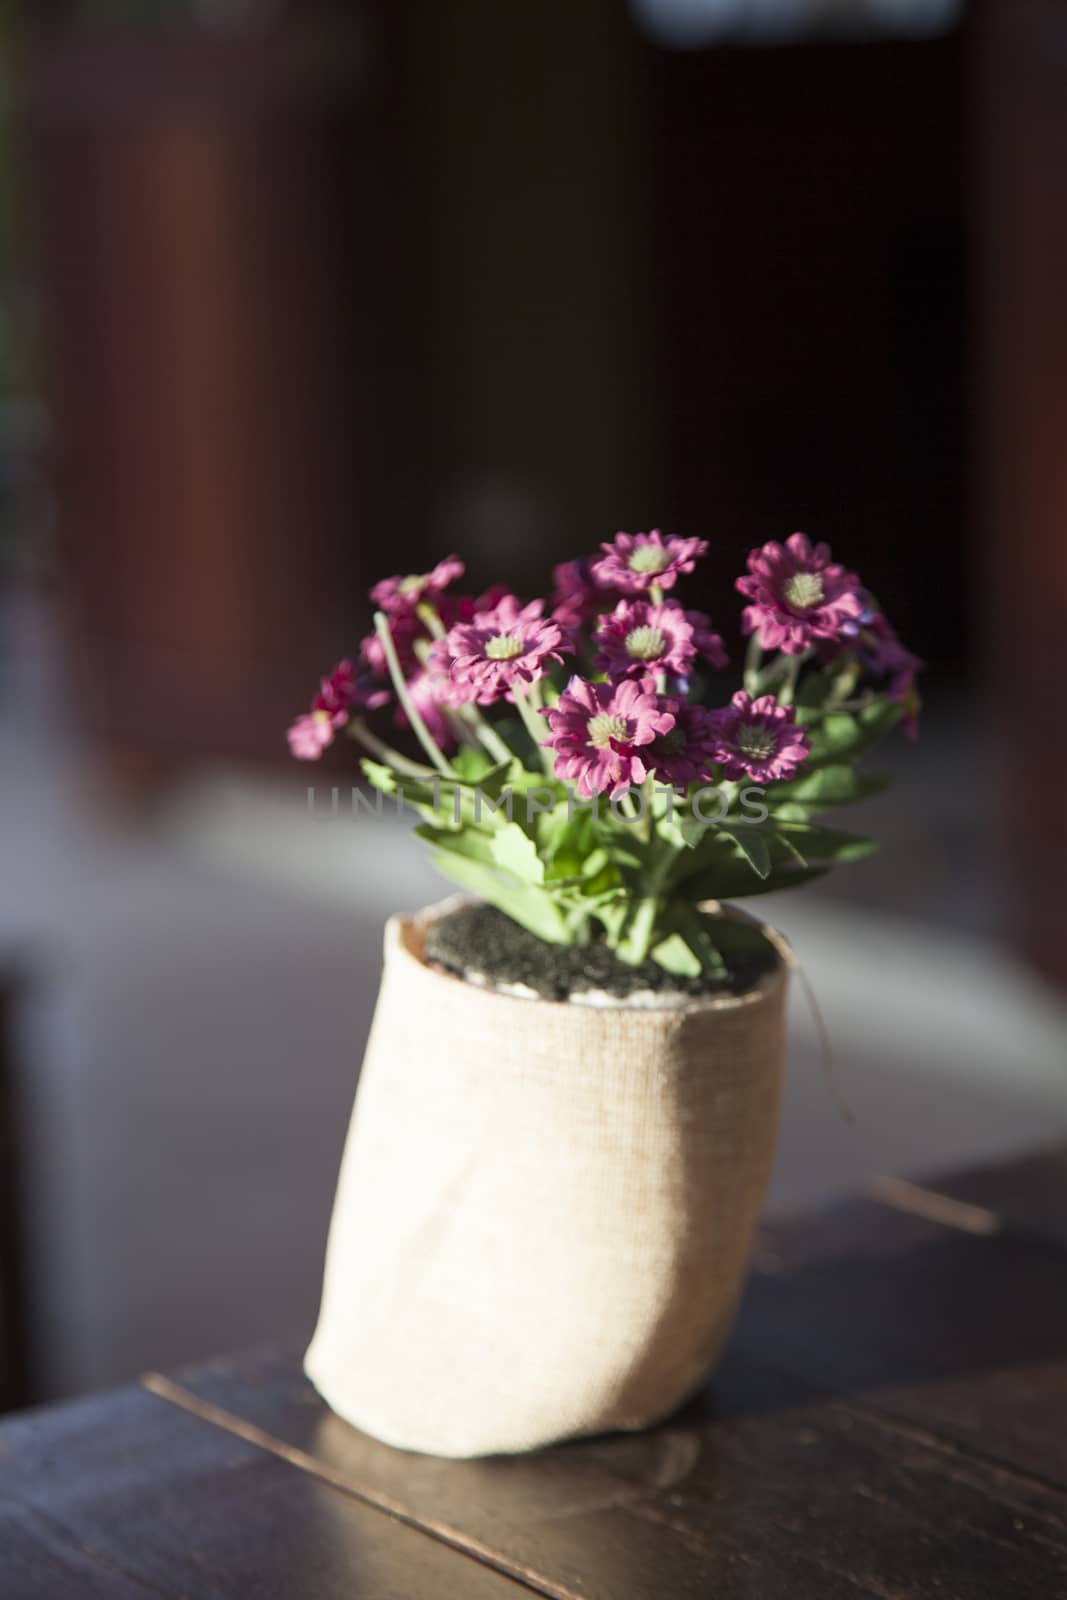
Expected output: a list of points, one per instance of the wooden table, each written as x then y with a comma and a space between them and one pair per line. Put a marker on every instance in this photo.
890, 1422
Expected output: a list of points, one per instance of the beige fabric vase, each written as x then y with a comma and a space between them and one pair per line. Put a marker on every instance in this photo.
545, 1209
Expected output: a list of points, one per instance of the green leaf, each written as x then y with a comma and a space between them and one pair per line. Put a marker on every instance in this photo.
845, 734
692, 928
669, 832
471, 843
525, 904
825, 844
432, 799
612, 914
595, 862
634, 947
378, 775
752, 845
473, 763
719, 872
565, 842
836, 785
517, 853
495, 779
736, 881
784, 842
674, 955
736, 937
812, 690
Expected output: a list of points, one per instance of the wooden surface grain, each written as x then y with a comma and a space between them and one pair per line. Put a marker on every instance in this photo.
890, 1421
128, 1495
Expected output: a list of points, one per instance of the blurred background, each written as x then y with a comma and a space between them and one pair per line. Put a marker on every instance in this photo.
295, 295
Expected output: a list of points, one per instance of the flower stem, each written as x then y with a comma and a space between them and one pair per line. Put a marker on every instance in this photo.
650, 810
843, 686
627, 806
862, 702
357, 729
789, 682
464, 731
487, 734
753, 658
429, 615
411, 710
534, 723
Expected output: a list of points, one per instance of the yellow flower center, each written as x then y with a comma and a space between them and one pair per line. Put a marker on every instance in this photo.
648, 558
605, 727
645, 644
803, 590
757, 743
503, 647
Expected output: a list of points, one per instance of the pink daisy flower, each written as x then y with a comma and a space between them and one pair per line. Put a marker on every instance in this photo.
882, 652
576, 596
635, 563
430, 694
637, 640
337, 690
453, 608
487, 658
708, 643
400, 595
758, 739
799, 595
599, 731
311, 734
407, 630
339, 694
685, 754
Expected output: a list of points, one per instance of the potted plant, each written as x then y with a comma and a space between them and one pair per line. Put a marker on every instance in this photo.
568, 1105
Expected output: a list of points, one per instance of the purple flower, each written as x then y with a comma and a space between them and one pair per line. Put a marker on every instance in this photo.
708, 643
339, 694
485, 659
331, 707
799, 596
599, 730
638, 640
400, 595
638, 562
685, 754
576, 596
430, 694
336, 690
407, 630
453, 608
343, 691
311, 734
758, 739
883, 654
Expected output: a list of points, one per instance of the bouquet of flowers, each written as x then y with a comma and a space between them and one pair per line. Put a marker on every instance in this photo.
582, 773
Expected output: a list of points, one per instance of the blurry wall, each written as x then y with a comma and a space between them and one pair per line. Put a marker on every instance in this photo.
537, 145
353, 286
812, 213
1020, 164
223, 322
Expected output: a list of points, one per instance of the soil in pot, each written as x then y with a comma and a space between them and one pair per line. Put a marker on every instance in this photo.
481, 944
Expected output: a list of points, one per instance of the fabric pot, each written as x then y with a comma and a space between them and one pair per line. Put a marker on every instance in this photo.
545, 1209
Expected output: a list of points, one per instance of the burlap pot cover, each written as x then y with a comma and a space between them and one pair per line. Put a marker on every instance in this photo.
544, 1211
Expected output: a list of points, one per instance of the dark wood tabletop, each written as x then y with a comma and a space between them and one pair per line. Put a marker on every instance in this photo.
890, 1422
